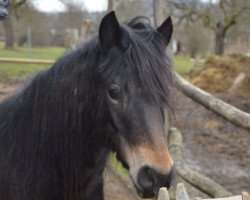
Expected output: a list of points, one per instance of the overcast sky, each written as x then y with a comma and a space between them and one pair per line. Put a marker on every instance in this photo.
90, 5
55, 5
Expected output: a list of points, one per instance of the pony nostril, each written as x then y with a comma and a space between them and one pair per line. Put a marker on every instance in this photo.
146, 178
149, 179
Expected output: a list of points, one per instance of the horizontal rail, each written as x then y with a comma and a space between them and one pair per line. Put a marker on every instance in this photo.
202, 182
27, 61
181, 194
230, 113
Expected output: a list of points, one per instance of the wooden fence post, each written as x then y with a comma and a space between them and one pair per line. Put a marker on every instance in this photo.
181, 193
245, 196
175, 146
163, 194
199, 181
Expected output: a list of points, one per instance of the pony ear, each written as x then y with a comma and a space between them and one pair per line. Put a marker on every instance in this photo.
166, 30
110, 30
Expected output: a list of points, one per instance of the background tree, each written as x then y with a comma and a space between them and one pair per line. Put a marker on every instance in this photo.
131, 8
110, 5
219, 16
196, 43
32, 18
74, 13
8, 22
158, 12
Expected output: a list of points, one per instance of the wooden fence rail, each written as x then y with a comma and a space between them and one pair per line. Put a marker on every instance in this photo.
181, 194
26, 61
232, 114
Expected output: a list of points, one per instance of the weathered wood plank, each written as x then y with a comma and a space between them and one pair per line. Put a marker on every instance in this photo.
27, 61
181, 193
245, 196
238, 197
175, 146
202, 182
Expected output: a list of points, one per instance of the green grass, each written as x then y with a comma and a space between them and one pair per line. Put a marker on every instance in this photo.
118, 166
13, 72
182, 64
18, 72
37, 52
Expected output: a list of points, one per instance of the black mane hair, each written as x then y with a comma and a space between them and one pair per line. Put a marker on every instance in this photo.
52, 131
150, 61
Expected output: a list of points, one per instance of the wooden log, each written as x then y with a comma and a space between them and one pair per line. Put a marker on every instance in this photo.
199, 181
202, 182
232, 114
175, 146
181, 193
163, 194
27, 61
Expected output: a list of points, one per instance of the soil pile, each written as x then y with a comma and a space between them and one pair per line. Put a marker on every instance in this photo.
220, 73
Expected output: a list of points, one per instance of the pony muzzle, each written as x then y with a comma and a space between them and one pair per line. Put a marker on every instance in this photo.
150, 181
150, 168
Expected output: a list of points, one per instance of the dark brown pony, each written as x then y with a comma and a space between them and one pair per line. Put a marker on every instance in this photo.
108, 95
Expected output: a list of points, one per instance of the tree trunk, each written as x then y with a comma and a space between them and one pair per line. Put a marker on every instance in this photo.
219, 44
9, 35
193, 53
110, 5
219, 40
158, 12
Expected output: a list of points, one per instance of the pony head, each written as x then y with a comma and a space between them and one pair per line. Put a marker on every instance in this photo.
136, 74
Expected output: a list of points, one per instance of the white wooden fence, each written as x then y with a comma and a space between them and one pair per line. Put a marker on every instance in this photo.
181, 194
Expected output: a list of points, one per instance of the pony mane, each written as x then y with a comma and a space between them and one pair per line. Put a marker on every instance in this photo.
151, 62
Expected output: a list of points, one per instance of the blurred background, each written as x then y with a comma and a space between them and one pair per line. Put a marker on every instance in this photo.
44, 29
210, 48
222, 25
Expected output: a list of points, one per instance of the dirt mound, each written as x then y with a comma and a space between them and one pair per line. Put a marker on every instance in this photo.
220, 74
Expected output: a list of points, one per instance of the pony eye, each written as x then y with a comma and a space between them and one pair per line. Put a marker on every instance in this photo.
113, 93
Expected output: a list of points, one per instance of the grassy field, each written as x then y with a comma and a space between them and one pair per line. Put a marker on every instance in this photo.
18, 72
37, 52
182, 64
